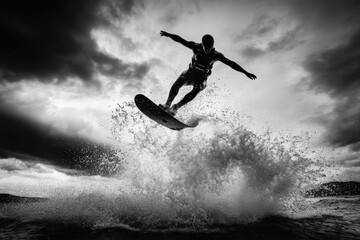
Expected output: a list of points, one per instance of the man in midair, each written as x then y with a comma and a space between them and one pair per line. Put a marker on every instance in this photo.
199, 70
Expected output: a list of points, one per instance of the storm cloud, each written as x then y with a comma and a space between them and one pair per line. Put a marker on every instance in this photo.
286, 42
52, 39
335, 16
336, 72
264, 27
331, 33
47, 41
25, 138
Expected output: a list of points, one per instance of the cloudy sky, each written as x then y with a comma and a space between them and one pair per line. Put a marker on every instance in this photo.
65, 65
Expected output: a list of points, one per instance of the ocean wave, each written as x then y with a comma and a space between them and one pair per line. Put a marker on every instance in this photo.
219, 173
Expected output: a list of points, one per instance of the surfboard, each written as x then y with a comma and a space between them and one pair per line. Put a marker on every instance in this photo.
157, 114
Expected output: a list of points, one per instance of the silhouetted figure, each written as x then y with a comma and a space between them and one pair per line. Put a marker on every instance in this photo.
199, 69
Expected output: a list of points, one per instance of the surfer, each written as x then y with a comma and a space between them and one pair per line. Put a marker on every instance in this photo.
199, 70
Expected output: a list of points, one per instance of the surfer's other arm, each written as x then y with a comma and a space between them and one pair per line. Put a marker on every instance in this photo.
177, 38
236, 66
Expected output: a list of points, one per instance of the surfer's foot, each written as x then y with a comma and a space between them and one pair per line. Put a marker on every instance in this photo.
173, 110
164, 107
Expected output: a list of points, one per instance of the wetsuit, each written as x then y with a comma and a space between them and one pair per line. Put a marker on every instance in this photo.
200, 66
199, 69
197, 74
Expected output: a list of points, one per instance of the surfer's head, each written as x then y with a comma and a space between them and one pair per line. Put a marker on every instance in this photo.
207, 43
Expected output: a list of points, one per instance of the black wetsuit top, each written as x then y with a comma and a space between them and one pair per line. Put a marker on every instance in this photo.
201, 61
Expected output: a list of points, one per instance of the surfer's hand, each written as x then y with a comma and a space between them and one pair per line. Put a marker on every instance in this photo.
165, 34
251, 76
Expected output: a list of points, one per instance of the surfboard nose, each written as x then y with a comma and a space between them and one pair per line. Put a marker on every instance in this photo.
157, 114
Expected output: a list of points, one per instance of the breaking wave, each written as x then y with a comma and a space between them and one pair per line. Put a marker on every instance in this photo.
216, 174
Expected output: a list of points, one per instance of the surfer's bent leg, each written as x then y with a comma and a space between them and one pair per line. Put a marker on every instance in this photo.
191, 95
181, 81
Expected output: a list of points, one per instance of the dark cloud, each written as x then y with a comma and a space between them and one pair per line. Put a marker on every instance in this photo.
260, 26
120, 68
52, 39
336, 72
22, 138
47, 40
262, 30
333, 71
327, 18
353, 160
323, 15
286, 42
344, 129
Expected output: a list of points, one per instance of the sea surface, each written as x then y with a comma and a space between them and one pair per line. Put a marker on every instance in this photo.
220, 180
332, 218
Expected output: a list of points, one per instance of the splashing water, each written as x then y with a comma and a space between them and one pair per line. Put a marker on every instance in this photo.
218, 173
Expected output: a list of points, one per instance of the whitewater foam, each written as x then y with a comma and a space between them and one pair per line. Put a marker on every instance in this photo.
219, 173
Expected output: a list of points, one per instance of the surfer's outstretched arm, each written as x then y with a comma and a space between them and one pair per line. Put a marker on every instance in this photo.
177, 38
236, 66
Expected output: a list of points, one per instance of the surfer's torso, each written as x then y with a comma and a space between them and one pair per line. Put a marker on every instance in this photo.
201, 61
